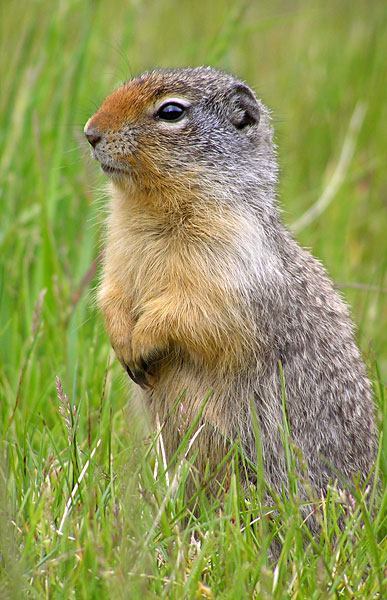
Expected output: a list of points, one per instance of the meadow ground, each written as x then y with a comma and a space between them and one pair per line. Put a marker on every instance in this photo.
84, 513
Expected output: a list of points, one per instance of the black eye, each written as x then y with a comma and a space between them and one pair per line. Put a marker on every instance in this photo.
172, 111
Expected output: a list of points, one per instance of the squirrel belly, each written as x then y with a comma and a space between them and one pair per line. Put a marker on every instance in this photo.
204, 290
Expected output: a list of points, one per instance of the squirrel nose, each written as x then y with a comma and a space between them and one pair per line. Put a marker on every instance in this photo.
93, 136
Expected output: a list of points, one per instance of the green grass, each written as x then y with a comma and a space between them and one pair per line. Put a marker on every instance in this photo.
128, 532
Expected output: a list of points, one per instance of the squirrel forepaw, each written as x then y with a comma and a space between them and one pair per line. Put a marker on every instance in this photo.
144, 368
137, 375
147, 357
146, 365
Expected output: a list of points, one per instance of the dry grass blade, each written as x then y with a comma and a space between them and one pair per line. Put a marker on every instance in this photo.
75, 489
35, 329
338, 177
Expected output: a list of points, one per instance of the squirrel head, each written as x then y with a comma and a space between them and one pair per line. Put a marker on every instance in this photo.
182, 129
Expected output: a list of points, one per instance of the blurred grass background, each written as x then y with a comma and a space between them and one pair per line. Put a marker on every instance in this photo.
311, 62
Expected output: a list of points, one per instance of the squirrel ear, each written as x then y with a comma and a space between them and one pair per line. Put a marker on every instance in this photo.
243, 107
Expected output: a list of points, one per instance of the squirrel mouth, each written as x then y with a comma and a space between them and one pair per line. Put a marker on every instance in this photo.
112, 171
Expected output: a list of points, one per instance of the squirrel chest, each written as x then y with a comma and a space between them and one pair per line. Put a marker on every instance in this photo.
184, 272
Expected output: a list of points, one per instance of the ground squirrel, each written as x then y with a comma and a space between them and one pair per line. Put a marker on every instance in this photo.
204, 289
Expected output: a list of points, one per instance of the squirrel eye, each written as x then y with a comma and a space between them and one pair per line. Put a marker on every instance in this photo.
172, 111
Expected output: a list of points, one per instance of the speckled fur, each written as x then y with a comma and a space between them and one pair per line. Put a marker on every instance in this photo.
204, 288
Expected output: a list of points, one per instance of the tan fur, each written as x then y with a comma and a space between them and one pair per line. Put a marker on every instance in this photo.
164, 283
160, 292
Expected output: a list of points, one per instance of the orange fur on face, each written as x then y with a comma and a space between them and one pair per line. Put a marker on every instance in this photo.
130, 103
125, 105
127, 120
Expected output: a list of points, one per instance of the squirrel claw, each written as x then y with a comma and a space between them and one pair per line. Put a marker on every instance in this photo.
138, 376
145, 366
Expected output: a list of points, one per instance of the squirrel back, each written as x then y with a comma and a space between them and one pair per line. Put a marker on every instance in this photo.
204, 289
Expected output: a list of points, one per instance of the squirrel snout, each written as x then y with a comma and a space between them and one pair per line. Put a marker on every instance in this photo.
92, 134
